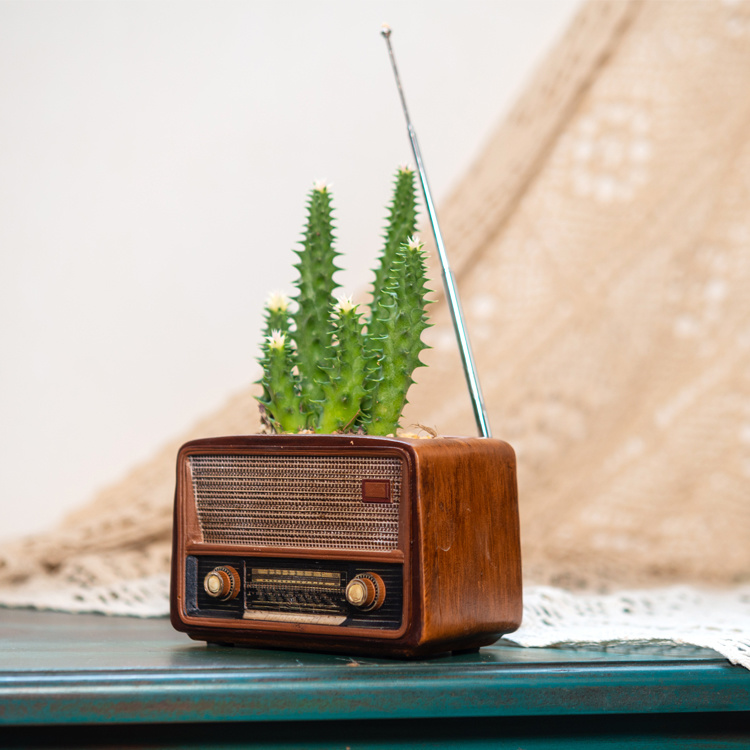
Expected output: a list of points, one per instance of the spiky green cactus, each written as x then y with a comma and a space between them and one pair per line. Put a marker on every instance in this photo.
402, 318
276, 316
315, 287
344, 387
320, 370
402, 223
283, 403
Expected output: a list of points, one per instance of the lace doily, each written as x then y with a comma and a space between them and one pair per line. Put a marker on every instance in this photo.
133, 597
552, 617
678, 615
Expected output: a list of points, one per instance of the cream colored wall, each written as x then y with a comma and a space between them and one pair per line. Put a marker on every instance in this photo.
154, 161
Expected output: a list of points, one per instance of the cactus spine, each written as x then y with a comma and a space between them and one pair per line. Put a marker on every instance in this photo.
315, 286
401, 319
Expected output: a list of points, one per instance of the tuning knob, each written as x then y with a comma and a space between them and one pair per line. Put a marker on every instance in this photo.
366, 591
222, 583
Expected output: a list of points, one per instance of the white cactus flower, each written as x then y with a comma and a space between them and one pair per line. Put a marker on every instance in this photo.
406, 169
276, 340
277, 302
344, 305
321, 186
415, 243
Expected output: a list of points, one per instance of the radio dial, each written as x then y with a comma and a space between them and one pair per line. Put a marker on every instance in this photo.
366, 591
222, 583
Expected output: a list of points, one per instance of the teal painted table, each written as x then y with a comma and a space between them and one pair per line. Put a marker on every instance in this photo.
85, 680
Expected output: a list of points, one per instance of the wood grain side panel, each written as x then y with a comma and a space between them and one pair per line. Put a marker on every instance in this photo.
470, 545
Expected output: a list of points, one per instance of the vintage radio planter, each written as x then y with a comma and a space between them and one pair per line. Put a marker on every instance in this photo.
346, 543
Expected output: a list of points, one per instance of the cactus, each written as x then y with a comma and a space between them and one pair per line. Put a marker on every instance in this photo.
321, 371
402, 223
276, 318
277, 314
344, 389
283, 406
315, 287
401, 320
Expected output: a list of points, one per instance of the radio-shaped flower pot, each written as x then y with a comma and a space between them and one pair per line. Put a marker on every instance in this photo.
345, 543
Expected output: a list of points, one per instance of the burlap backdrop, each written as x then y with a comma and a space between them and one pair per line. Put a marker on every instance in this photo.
602, 247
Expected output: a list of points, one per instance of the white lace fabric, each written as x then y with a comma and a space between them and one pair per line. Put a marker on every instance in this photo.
678, 615
133, 597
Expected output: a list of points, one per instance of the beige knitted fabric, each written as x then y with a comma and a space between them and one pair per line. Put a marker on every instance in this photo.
601, 244
604, 255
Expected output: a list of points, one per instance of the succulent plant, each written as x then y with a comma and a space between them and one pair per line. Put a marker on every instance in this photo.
324, 368
402, 224
276, 320
277, 314
313, 333
283, 405
344, 387
400, 319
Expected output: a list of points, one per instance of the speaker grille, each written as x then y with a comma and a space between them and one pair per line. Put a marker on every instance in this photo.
296, 501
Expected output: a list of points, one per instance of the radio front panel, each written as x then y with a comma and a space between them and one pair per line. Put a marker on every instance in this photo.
297, 591
296, 539
298, 501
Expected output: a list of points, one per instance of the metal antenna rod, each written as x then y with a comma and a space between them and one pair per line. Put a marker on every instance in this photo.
470, 370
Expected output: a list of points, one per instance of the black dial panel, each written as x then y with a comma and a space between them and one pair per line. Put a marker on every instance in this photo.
276, 589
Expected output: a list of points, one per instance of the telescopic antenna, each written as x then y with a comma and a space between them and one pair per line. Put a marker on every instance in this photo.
470, 370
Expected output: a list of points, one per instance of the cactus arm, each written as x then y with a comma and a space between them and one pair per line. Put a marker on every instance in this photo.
403, 319
276, 318
402, 223
373, 354
315, 287
343, 389
282, 401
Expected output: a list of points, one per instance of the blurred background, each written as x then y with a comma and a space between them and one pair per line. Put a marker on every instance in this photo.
154, 162
591, 166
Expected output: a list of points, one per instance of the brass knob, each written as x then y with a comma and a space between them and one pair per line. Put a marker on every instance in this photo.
222, 583
366, 591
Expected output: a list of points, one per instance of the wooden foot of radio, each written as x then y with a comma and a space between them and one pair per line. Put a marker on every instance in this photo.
353, 544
